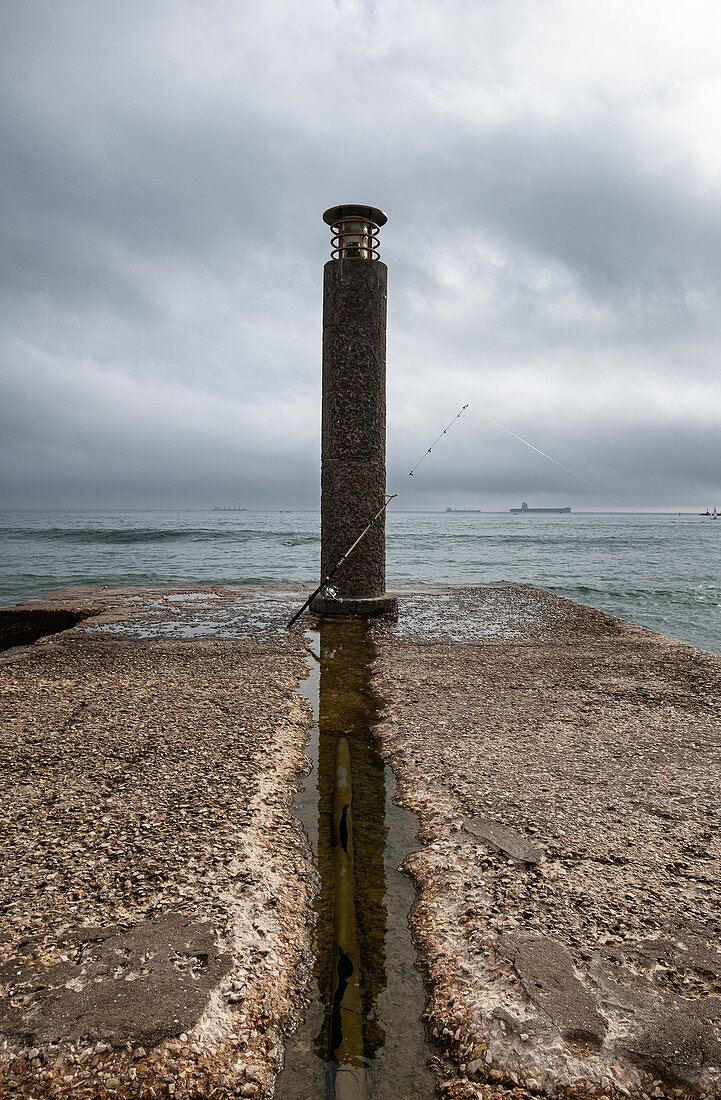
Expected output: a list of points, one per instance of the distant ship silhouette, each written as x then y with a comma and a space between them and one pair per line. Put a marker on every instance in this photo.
535, 511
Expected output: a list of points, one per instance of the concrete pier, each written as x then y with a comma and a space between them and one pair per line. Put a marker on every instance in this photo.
565, 769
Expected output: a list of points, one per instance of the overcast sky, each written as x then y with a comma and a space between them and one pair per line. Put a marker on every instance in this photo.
551, 173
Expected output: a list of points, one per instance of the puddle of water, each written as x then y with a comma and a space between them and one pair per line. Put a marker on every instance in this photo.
367, 995
189, 615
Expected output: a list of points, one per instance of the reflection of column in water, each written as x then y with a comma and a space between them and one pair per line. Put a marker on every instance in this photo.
346, 1023
348, 712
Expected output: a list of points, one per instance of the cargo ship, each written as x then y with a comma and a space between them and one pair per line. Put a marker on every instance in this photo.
525, 510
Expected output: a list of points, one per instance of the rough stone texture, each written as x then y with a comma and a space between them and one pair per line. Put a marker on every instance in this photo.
147, 759
353, 475
157, 891
598, 970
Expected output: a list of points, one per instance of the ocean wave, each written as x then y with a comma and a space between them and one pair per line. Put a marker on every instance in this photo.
609, 591
101, 535
125, 536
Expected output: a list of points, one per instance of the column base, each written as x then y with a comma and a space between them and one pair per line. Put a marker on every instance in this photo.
367, 607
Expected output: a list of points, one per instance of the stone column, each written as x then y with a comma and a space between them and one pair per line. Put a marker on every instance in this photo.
353, 471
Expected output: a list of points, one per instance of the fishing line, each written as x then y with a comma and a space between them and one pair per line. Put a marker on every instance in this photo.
326, 580
549, 457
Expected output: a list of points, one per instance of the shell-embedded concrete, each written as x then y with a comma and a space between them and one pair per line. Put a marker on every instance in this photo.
157, 890
571, 949
565, 769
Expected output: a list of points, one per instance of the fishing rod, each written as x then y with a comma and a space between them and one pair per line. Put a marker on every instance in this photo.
549, 457
331, 573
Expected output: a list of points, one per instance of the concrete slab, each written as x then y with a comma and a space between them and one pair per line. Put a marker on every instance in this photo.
157, 891
508, 841
148, 981
594, 971
565, 768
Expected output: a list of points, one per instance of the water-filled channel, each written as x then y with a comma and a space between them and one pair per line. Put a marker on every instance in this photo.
362, 1035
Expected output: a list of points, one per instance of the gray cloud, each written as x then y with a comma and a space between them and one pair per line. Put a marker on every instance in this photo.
553, 247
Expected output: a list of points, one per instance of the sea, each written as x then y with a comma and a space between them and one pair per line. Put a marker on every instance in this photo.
662, 571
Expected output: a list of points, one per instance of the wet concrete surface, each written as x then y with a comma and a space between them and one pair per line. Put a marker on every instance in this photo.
156, 890
573, 947
564, 768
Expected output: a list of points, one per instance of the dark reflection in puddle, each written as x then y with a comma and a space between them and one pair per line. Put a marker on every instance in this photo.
362, 1035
